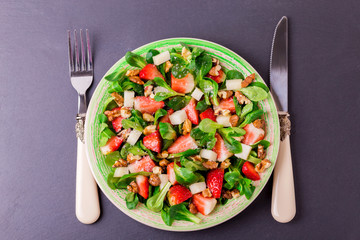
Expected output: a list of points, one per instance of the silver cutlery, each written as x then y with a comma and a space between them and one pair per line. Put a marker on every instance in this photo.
87, 205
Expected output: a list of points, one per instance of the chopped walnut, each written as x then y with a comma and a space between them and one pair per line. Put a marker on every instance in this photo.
168, 65
235, 193
132, 72
120, 163
259, 123
248, 80
234, 120
136, 79
154, 180
148, 90
125, 112
214, 71
239, 138
206, 193
132, 158
112, 114
261, 152
186, 127
192, 208
163, 163
210, 164
124, 134
227, 194
222, 112
118, 99
148, 117
196, 158
225, 164
225, 94
185, 53
215, 61
242, 98
149, 129
262, 166
163, 154
157, 170
133, 187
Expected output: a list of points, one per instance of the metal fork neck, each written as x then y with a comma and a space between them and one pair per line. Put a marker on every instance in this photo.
82, 106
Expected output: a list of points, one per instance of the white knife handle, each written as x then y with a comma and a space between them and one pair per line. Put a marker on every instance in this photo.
283, 206
87, 199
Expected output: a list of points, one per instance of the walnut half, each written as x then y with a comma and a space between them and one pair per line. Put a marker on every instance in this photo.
262, 166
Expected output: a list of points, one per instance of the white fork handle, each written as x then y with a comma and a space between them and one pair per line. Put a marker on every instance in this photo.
283, 206
87, 199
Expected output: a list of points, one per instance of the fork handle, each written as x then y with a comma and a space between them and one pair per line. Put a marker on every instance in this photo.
87, 199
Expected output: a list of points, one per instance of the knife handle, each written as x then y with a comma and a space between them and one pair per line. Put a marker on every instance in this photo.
87, 205
283, 207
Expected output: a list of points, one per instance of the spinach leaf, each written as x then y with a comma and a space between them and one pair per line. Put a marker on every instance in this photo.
196, 51
178, 102
184, 176
228, 135
165, 215
232, 178
112, 157
203, 64
156, 202
245, 187
167, 144
149, 152
246, 109
132, 123
103, 126
129, 85
166, 131
264, 143
125, 180
180, 212
207, 125
148, 83
109, 104
128, 148
202, 105
203, 139
137, 116
210, 89
111, 180
117, 75
179, 70
254, 93
102, 118
150, 54
185, 46
192, 165
161, 96
254, 160
135, 60
159, 113
261, 85
105, 135
115, 87
223, 201
252, 117
234, 74
131, 200
237, 106
253, 153
186, 153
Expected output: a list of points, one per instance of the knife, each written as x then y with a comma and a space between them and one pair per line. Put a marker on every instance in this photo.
283, 207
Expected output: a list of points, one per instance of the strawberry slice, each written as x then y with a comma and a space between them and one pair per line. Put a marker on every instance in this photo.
149, 72
112, 145
166, 119
203, 205
171, 173
249, 171
227, 104
178, 194
220, 78
145, 164
116, 123
183, 85
220, 149
214, 181
208, 113
191, 112
182, 144
253, 134
153, 141
143, 186
147, 105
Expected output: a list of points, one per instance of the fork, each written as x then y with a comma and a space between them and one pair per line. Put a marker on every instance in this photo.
87, 205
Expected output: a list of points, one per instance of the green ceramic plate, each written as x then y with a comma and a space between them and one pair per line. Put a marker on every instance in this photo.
229, 60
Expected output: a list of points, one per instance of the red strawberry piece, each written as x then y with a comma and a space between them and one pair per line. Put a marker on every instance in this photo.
220, 78
178, 194
149, 72
171, 173
227, 104
143, 186
166, 119
214, 181
112, 145
182, 144
116, 123
220, 149
249, 170
191, 112
203, 205
147, 105
145, 164
208, 113
183, 85
253, 134
153, 141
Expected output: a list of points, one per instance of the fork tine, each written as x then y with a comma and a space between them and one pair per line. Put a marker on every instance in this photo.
82, 60
77, 61
89, 57
71, 59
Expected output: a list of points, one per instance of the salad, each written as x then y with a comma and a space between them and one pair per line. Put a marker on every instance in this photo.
181, 133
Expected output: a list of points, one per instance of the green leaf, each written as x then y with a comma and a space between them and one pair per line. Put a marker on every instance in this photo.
135, 60
245, 187
103, 126
232, 177
102, 118
156, 202
185, 45
261, 85
237, 106
197, 52
203, 64
207, 125
167, 144
203, 139
186, 153
105, 135
161, 96
159, 113
137, 117
202, 105
165, 215
117, 75
166, 131
264, 143
115, 87
254, 93
192, 165
184, 176
234, 74
148, 83
180, 212
149, 152
127, 123
210, 89
131, 200
124, 181
150, 54
246, 109
110, 104
112, 157
179, 70
254, 160
252, 117
178, 102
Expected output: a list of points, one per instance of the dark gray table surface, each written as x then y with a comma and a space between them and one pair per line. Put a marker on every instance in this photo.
38, 105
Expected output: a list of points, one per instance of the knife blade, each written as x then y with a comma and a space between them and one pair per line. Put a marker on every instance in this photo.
283, 206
